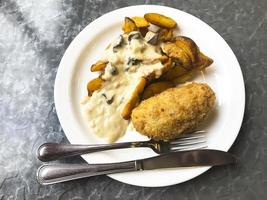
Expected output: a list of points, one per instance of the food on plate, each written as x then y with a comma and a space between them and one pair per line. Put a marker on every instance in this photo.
174, 111
160, 20
156, 88
177, 54
98, 66
129, 25
143, 31
183, 78
165, 34
140, 22
189, 46
139, 64
94, 85
187, 59
133, 100
131, 63
203, 61
174, 72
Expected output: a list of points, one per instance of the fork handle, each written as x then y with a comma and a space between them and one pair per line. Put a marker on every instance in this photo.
53, 151
50, 174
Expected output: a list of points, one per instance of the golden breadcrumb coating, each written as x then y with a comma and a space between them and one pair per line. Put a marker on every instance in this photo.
174, 111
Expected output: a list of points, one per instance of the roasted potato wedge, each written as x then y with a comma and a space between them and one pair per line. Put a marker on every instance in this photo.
203, 61
98, 66
164, 59
94, 85
173, 73
189, 46
167, 65
178, 55
156, 88
165, 34
140, 22
183, 78
129, 106
160, 20
157, 73
128, 25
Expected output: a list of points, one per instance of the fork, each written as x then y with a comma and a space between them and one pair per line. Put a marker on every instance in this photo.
53, 151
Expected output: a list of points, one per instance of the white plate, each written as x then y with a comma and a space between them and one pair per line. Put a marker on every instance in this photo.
224, 76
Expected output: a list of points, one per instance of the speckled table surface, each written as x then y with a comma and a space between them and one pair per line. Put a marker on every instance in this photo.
33, 38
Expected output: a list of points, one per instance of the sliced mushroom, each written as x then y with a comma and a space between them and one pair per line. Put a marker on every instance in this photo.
134, 35
133, 61
118, 44
109, 101
113, 70
152, 38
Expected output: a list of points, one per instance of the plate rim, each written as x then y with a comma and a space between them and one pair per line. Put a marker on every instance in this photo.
72, 45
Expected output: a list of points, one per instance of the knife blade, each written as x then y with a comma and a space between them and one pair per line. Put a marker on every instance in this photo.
50, 174
191, 158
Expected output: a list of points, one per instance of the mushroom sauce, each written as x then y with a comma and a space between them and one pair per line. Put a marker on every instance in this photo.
129, 58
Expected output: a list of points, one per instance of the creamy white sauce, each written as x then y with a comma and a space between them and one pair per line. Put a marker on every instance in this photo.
103, 109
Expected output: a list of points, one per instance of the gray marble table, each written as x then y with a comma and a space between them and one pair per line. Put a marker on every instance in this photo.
33, 38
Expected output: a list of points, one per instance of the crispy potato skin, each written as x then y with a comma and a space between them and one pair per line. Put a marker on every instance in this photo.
126, 112
140, 22
160, 20
156, 88
165, 34
189, 46
173, 73
177, 53
203, 62
129, 25
174, 111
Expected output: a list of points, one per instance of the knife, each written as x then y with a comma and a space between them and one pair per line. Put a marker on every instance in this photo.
50, 174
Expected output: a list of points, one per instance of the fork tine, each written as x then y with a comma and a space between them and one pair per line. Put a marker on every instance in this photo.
187, 143
196, 140
189, 138
187, 148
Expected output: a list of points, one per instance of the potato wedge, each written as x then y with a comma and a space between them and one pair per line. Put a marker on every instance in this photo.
173, 73
189, 46
129, 106
164, 59
98, 66
156, 88
178, 55
128, 25
94, 85
203, 61
158, 73
168, 64
184, 78
165, 34
140, 22
160, 20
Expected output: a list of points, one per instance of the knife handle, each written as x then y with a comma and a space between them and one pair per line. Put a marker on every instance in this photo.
50, 174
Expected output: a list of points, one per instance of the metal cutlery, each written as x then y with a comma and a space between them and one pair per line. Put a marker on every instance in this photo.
53, 151
50, 174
